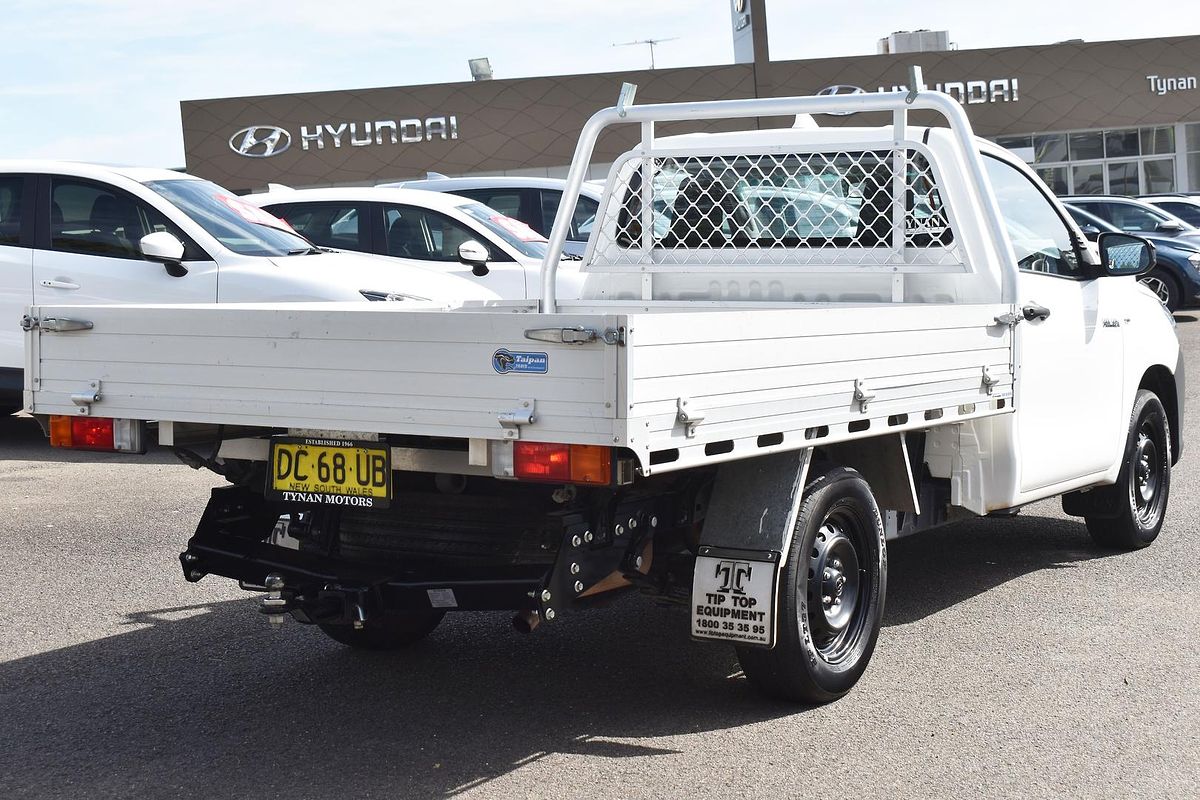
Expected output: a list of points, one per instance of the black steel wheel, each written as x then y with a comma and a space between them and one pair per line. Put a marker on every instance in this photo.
1143, 487
1163, 284
391, 632
832, 592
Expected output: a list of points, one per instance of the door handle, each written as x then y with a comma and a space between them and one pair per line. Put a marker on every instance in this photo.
1033, 311
60, 285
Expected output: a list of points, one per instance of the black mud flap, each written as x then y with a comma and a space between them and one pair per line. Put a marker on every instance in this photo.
747, 531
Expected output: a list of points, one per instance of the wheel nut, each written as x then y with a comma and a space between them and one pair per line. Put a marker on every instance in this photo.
632, 523
638, 561
619, 530
545, 595
654, 522
549, 613
827, 600
576, 541
827, 575
578, 587
574, 569
587, 536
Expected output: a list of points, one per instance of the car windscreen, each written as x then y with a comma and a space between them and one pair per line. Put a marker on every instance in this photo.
239, 226
516, 234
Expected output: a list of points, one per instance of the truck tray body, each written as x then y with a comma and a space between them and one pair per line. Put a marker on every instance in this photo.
686, 386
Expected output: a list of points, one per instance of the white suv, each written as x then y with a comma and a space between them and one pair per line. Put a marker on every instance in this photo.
82, 234
454, 234
534, 201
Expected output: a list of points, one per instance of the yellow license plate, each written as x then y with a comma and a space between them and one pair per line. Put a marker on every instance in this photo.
330, 472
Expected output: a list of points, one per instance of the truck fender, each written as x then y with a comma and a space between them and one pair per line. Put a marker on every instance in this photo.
752, 511
754, 503
884, 463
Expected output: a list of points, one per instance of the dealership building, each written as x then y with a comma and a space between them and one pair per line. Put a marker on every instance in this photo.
1091, 117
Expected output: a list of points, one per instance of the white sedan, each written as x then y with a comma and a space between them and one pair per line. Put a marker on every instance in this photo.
454, 234
82, 234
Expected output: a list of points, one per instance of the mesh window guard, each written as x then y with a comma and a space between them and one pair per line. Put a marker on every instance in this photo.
820, 210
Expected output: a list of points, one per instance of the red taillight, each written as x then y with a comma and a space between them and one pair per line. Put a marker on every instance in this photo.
96, 433
574, 463
540, 461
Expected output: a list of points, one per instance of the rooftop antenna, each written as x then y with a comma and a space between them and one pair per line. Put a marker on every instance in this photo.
650, 42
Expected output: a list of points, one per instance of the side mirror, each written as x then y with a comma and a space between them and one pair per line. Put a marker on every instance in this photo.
165, 248
1168, 225
475, 255
1123, 254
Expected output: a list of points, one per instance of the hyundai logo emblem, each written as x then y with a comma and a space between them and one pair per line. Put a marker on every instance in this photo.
260, 141
840, 89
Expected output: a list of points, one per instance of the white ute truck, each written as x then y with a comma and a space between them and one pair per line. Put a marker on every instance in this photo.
793, 346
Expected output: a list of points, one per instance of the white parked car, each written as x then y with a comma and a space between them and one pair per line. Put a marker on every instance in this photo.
534, 201
446, 232
81, 234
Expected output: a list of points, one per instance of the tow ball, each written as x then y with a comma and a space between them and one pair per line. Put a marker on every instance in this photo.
274, 605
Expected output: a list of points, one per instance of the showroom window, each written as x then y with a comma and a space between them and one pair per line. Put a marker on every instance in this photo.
1192, 137
1121, 161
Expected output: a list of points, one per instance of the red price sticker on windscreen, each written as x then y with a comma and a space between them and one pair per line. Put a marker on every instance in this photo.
252, 213
517, 228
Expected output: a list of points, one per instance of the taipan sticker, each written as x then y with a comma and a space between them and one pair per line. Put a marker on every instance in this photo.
506, 361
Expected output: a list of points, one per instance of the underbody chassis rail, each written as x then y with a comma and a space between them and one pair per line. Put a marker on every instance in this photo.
232, 540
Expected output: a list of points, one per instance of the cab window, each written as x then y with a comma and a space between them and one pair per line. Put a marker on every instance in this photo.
1040, 238
581, 221
1187, 212
422, 234
584, 219
506, 201
10, 210
337, 225
94, 219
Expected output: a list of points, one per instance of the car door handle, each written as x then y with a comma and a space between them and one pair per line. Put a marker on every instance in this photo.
60, 285
1033, 311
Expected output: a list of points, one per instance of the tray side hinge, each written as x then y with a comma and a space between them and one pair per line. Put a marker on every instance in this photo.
83, 400
512, 421
689, 415
863, 394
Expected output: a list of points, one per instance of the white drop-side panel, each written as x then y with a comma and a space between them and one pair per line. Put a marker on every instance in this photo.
390, 371
784, 375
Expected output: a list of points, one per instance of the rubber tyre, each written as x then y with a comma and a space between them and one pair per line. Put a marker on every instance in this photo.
805, 666
392, 632
1138, 519
1170, 294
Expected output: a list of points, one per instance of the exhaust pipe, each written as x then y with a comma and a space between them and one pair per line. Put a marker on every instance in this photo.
526, 621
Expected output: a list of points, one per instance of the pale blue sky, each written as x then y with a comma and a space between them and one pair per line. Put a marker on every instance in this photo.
102, 81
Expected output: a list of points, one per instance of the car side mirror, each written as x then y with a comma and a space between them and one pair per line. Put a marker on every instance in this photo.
475, 255
1123, 254
1170, 225
166, 249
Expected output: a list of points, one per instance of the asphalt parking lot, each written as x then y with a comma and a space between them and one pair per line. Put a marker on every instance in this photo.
1016, 660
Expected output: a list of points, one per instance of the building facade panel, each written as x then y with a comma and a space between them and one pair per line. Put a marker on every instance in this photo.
1076, 109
